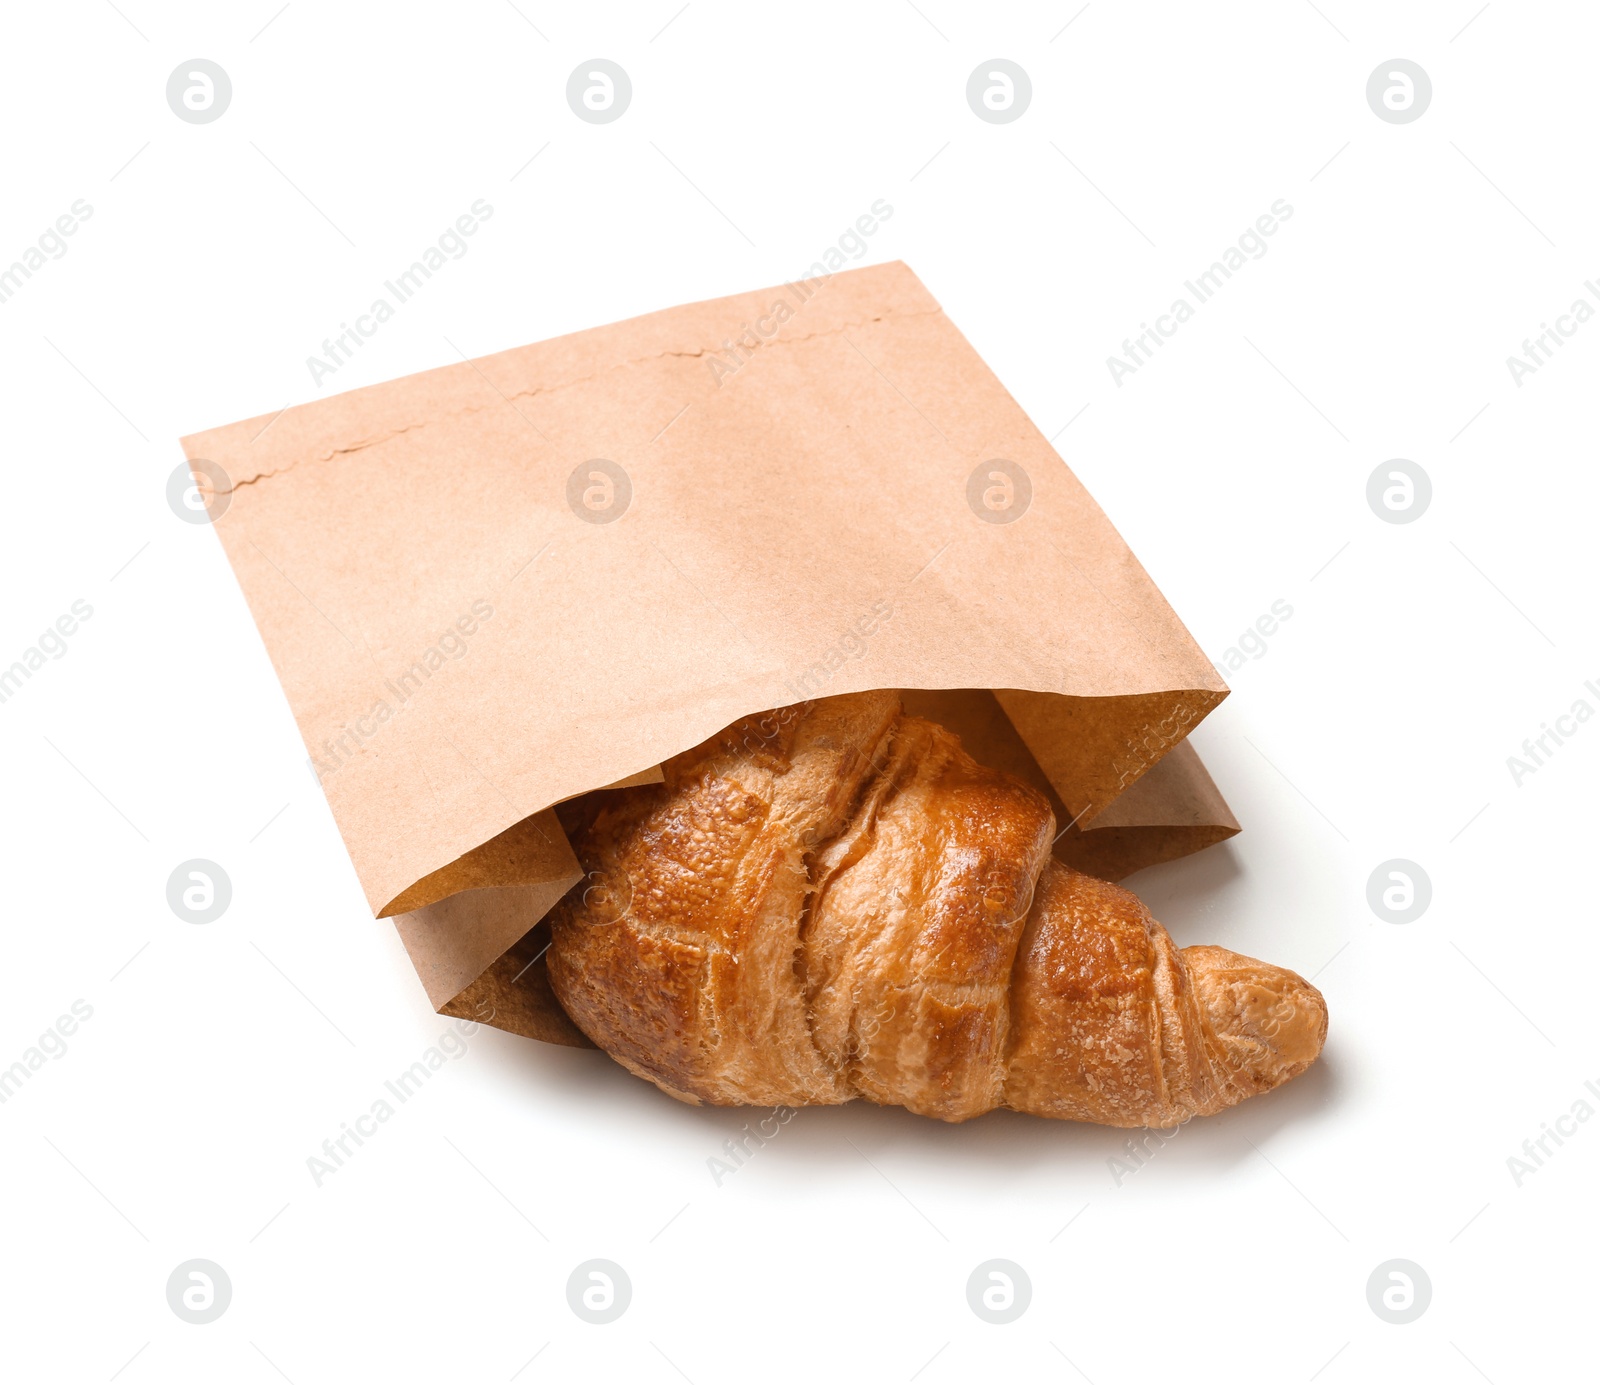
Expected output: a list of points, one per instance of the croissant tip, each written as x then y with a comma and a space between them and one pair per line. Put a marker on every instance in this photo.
1270, 1021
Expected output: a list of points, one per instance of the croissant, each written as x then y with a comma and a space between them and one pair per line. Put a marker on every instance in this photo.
834, 900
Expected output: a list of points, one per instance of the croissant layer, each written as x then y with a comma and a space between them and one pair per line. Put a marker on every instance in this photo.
834, 900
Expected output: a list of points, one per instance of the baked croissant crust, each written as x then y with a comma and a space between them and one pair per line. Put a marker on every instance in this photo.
834, 900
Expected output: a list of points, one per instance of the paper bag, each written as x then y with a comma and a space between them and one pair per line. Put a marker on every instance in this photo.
494, 586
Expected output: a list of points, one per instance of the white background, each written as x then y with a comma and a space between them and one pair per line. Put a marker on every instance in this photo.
1376, 725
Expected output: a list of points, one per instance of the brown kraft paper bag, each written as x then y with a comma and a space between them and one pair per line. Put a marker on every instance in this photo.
497, 585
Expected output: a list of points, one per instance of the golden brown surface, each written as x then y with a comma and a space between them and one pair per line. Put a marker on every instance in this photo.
833, 900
